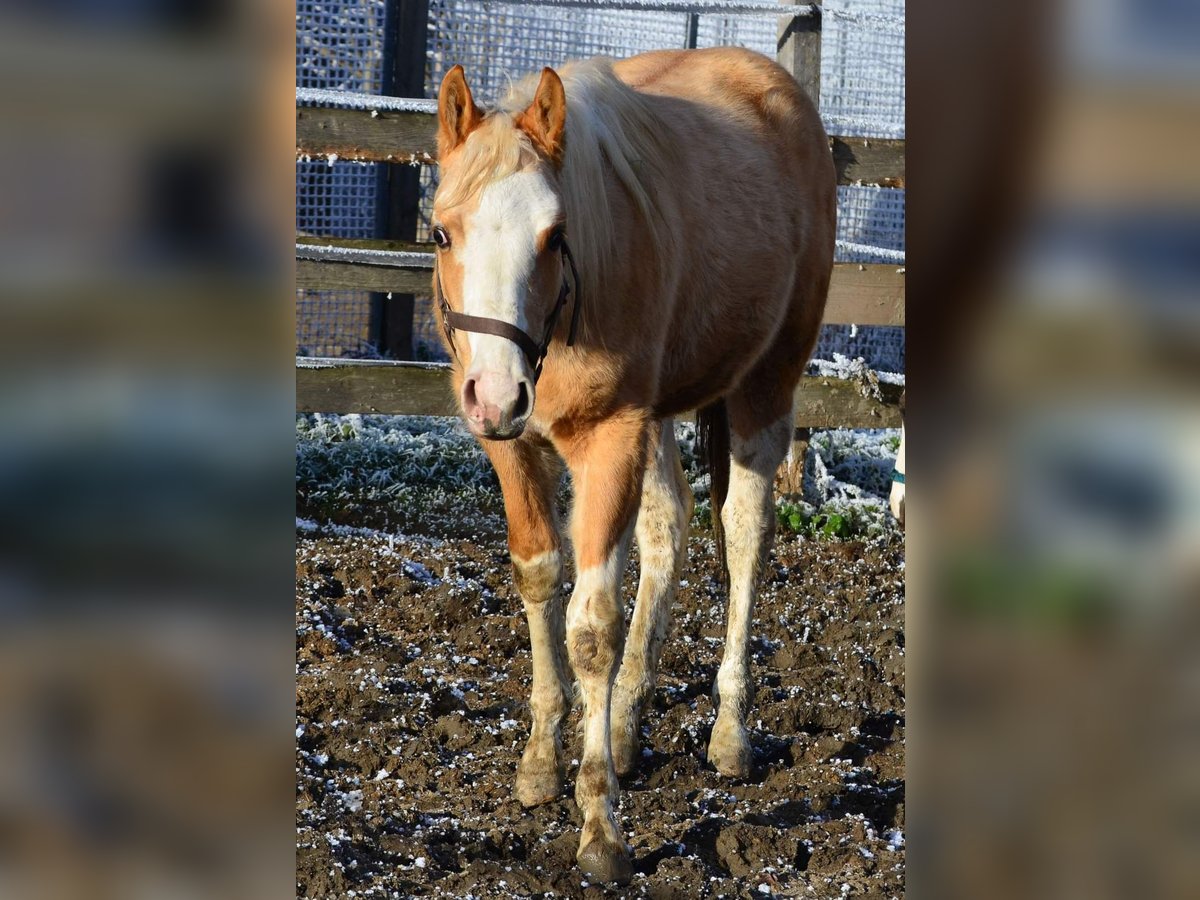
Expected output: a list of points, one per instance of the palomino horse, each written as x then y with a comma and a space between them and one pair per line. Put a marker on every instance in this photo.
618, 245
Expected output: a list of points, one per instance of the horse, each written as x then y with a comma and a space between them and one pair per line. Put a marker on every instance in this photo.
617, 243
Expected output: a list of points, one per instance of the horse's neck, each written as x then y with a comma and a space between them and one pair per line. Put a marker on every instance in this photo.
619, 265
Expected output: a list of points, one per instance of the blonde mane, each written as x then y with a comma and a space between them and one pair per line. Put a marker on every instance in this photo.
611, 129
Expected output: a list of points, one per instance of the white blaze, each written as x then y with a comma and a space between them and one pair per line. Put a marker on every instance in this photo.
498, 259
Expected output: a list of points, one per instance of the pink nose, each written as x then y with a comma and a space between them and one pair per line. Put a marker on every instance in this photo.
497, 405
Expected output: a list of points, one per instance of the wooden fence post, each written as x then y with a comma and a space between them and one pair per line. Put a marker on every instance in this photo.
790, 477
405, 29
799, 51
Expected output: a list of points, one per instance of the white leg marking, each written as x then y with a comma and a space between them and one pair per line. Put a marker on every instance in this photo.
749, 521
661, 530
539, 579
595, 628
896, 500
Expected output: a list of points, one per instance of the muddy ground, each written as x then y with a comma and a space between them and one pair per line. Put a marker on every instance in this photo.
413, 678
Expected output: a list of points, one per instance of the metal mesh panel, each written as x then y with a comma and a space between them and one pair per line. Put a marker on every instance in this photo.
862, 68
334, 323
499, 41
868, 217
339, 45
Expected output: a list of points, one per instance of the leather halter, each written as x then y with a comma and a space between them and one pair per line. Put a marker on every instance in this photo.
536, 353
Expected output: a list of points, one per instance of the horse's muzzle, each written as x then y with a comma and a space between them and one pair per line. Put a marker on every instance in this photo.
497, 406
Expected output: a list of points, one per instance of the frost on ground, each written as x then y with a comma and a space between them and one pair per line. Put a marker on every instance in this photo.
406, 473
413, 680
413, 473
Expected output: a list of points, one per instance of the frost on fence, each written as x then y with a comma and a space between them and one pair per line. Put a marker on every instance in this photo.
306, 96
339, 47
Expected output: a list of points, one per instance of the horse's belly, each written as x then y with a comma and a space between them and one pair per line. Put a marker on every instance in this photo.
716, 361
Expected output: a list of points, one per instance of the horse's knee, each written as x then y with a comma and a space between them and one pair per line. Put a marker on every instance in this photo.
594, 648
595, 630
538, 578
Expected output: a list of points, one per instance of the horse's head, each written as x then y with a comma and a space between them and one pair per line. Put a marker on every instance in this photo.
498, 222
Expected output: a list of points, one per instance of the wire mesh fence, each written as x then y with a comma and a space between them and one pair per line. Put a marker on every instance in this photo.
340, 45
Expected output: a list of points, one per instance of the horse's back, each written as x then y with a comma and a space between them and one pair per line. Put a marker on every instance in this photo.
730, 79
757, 177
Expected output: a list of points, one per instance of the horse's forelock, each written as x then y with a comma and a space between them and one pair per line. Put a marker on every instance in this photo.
493, 151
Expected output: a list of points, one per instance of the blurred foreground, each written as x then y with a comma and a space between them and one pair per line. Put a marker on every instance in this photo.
146, 664
1054, 480
146, 464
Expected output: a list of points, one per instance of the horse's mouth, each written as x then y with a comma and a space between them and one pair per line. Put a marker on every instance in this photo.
505, 431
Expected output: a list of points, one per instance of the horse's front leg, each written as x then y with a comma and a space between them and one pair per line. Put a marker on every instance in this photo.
606, 465
529, 473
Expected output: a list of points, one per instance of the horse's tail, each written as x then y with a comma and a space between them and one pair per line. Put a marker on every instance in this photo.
712, 446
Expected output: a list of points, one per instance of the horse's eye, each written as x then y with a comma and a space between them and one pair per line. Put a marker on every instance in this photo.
555, 240
441, 237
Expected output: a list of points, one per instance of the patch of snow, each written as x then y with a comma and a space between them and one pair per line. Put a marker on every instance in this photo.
418, 572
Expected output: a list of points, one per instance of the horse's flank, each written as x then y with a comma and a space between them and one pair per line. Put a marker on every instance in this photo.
699, 196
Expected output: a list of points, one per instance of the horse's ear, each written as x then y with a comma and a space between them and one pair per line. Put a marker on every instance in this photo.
546, 118
458, 115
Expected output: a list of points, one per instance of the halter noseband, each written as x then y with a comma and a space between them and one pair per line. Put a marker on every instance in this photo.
536, 353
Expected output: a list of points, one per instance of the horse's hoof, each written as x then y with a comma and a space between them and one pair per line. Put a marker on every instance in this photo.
626, 729
604, 862
538, 786
624, 754
624, 749
729, 752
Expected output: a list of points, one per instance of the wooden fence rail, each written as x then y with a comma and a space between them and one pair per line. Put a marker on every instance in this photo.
401, 136
859, 294
423, 389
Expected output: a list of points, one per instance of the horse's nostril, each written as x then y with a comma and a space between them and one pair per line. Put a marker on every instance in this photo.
470, 401
524, 405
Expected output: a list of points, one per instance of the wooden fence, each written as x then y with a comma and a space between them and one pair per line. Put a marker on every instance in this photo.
859, 294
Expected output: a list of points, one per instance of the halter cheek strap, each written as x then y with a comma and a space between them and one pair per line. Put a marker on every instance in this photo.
534, 352
897, 476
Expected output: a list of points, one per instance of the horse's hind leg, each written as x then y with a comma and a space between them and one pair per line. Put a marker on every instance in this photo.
662, 526
760, 433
